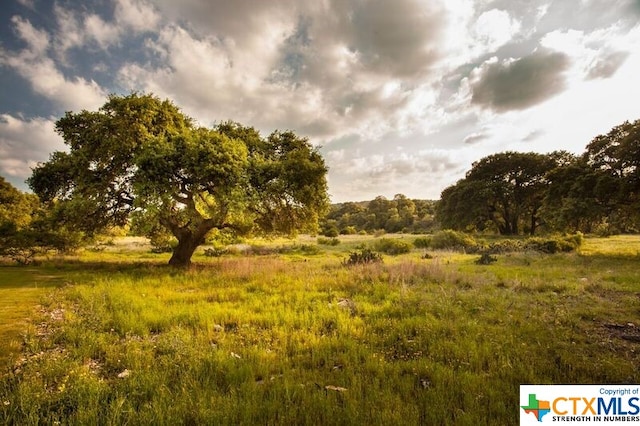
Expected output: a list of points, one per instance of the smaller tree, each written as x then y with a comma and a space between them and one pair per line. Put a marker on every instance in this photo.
25, 229
16, 207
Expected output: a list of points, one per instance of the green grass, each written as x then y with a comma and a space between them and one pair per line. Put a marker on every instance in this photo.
21, 289
298, 338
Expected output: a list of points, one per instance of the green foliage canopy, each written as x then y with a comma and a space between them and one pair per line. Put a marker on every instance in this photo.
399, 214
504, 191
16, 208
140, 157
25, 228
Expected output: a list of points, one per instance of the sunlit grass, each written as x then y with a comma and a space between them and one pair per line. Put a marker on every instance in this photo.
300, 339
21, 289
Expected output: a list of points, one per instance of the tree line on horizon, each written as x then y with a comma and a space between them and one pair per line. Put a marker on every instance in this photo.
400, 214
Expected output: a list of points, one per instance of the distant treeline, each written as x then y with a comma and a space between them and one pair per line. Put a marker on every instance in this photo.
400, 214
515, 193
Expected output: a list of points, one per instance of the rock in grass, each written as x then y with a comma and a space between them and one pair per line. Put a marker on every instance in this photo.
124, 374
335, 388
347, 304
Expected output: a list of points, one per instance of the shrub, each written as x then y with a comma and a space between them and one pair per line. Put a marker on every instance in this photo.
214, 251
307, 249
543, 245
363, 257
328, 241
453, 240
422, 242
505, 246
577, 239
392, 246
161, 249
349, 230
162, 242
486, 259
329, 229
552, 245
22, 246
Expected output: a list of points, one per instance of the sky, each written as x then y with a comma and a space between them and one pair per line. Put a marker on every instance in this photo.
400, 96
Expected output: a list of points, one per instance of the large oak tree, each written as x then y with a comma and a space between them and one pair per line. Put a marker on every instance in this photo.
504, 190
138, 155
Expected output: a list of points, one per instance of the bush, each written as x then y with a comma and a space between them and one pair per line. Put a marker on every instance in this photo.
392, 246
349, 230
576, 239
505, 246
453, 240
552, 245
329, 229
364, 257
161, 249
214, 251
543, 245
162, 242
307, 249
486, 259
422, 242
22, 246
328, 241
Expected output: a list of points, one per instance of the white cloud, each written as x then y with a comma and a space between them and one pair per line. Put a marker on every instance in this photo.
103, 33
30, 4
493, 29
24, 143
138, 15
37, 40
70, 33
45, 78
594, 54
77, 29
417, 174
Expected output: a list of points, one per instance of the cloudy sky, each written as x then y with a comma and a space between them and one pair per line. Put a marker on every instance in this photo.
402, 95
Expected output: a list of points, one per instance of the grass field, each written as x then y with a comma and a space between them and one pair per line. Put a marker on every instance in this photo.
20, 290
114, 337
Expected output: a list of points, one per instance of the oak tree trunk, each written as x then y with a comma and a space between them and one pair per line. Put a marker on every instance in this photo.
182, 253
